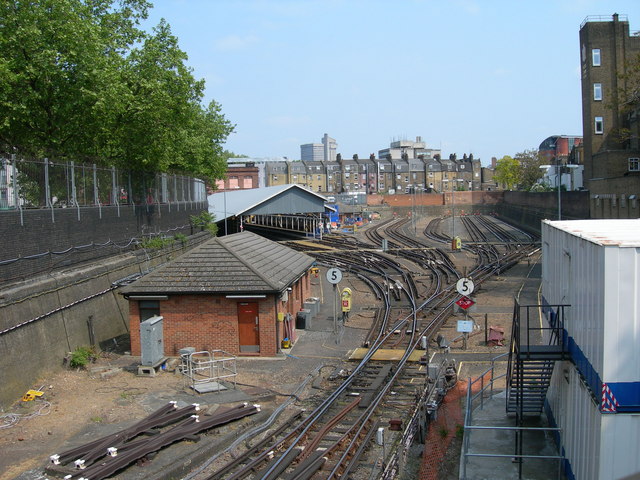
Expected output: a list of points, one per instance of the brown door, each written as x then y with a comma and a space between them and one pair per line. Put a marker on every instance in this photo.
248, 328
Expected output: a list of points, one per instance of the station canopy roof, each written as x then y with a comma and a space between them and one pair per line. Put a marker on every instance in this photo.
276, 200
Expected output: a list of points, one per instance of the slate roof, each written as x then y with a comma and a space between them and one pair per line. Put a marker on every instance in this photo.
242, 263
237, 202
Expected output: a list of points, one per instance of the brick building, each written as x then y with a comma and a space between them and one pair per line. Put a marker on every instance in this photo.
239, 293
610, 108
240, 176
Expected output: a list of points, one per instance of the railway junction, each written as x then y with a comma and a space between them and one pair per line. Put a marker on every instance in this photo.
377, 377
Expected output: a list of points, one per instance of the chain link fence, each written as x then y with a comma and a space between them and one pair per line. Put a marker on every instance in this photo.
26, 184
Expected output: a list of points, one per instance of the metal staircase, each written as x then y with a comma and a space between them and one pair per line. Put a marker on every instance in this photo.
534, 350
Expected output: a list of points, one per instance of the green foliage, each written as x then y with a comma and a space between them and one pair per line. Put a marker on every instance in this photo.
624, 101
157, 243
507, 173
443, 431
459, 431
80, 79
81, 357
180, 237
521, 172
205, 221
530, 162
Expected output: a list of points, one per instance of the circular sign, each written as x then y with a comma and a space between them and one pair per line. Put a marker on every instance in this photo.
464, 286
334, 275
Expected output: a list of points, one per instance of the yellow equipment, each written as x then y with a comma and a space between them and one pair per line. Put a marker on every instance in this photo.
31, 395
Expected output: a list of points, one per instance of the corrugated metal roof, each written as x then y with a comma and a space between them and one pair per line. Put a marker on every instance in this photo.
239, 263
233, 203
614, 232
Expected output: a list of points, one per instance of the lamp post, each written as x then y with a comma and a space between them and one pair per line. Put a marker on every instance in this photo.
559, 182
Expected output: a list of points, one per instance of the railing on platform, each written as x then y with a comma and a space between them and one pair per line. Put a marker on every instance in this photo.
477, 400
205, 370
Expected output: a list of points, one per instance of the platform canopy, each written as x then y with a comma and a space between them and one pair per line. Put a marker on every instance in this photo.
276, 200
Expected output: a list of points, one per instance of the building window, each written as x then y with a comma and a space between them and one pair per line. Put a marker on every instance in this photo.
595, 57
597, 91
634, 164
148, 309
599, 125
319, 177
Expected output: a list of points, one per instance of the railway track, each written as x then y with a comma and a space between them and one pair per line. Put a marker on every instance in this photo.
338, 437
366, 423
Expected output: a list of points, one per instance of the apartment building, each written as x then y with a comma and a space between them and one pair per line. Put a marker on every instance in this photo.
610, 112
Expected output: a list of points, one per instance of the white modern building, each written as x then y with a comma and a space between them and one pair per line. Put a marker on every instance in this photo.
593, 267
408, 149
320, 152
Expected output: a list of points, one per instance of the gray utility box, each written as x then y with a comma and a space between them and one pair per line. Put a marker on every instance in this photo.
151, 343
303, 319
311, 305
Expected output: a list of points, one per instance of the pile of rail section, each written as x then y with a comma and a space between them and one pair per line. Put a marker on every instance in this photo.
103, 457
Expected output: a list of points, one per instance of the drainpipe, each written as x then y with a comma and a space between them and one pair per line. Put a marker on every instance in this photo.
275, 304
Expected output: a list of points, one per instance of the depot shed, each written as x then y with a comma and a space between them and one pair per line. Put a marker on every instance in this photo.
231, 293
593, 267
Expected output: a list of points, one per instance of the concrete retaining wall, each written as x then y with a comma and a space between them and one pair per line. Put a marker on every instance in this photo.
43, 319
37, 241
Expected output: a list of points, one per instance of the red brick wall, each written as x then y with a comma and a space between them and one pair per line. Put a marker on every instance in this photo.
208, 322
431, 199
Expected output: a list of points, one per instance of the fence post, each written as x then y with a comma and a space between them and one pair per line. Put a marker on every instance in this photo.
114, 190
47, 189
74, 198
175, 191
96, 197
130, 192
164, 190
16, 193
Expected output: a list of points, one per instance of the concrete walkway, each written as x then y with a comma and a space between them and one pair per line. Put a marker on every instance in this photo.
502, 442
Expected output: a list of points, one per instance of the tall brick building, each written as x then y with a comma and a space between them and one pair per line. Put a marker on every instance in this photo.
239, 293
610, 110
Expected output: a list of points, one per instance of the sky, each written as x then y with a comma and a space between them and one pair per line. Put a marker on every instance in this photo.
489, 77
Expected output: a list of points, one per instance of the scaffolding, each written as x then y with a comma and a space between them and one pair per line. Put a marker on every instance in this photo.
206, 370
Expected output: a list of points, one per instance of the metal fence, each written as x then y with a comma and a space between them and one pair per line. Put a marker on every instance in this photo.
47, 184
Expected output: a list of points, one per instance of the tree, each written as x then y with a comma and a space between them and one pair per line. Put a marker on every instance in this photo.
80, 79
626, 101
59, 61
507, 172
530, 172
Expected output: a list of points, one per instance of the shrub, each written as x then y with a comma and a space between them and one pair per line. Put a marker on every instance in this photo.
81, 356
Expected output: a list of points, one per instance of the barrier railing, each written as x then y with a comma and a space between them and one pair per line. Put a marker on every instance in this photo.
66, 184
476, 400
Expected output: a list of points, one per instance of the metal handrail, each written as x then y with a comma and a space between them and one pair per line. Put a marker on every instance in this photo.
469, 418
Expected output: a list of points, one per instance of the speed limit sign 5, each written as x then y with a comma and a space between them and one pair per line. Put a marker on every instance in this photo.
334, 275
464, 286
